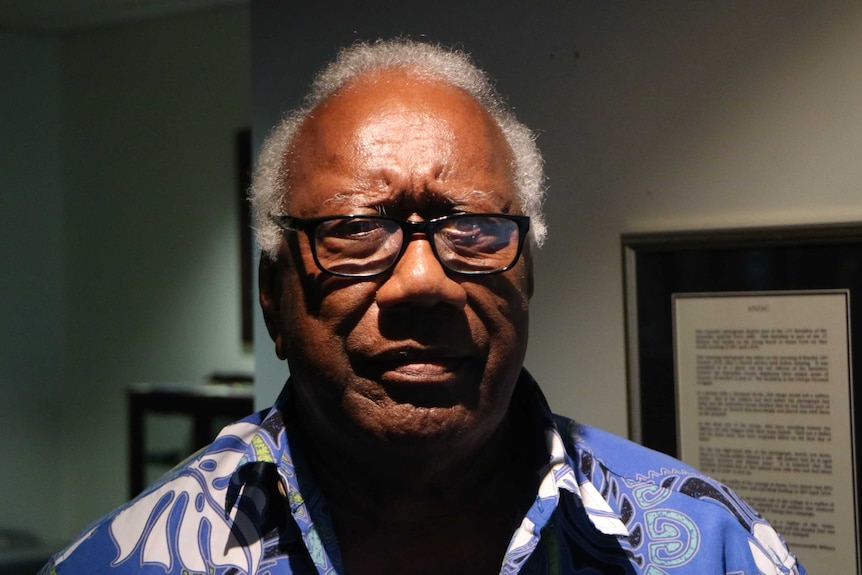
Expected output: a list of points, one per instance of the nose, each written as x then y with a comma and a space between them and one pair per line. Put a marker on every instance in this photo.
419, 280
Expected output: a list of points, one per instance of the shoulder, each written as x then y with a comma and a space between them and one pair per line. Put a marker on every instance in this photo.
625, 457
666, 504
181, 521
620, 466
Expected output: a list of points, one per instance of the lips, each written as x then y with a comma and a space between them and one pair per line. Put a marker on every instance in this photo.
417, 365
432, 376
435, 371
419, 362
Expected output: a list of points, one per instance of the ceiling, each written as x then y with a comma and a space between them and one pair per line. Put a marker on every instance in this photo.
58, 16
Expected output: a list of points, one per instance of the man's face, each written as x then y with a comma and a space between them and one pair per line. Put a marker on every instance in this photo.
416, 358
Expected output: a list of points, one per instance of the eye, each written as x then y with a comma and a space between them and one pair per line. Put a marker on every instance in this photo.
479, 234
353, 229
466, 226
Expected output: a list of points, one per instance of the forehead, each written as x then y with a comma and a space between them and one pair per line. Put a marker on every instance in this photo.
395, 132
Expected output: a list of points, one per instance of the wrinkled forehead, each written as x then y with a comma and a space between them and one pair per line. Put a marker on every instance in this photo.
396, 123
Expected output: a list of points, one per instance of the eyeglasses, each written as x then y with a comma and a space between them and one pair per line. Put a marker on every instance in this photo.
364, 246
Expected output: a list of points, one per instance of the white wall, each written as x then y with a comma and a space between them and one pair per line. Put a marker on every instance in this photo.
652, 116
152, 248
119, 244
32, 265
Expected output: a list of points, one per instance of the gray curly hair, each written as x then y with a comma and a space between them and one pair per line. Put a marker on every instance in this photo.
270, 181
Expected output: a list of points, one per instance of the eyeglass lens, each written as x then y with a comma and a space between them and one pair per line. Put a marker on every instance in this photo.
366, 246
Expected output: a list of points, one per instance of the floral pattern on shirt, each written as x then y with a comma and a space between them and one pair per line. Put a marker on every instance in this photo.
247, 505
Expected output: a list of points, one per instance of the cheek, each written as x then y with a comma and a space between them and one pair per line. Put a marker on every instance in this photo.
502, 310
324, 323
511, 298
509, 333
348, 310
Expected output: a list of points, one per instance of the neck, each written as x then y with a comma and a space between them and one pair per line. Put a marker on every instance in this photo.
392, 512
389, 486
394, 485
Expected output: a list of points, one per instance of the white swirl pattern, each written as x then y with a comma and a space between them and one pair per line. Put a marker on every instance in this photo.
165, 520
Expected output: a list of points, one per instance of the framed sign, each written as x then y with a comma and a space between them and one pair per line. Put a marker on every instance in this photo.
740, 348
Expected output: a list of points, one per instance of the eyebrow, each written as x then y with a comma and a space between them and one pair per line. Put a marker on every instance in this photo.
348, 197
480, 193
340, 198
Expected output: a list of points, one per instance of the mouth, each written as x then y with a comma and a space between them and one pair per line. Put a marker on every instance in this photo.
439, 372
423, 377
419, 365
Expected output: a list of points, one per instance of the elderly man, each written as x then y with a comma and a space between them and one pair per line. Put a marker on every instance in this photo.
396, 212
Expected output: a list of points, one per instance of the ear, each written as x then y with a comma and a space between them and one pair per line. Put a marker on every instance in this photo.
270, 293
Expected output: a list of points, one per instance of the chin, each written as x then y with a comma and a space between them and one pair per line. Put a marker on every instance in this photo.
411, 430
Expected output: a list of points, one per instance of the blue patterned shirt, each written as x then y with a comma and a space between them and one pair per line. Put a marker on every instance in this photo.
604, 506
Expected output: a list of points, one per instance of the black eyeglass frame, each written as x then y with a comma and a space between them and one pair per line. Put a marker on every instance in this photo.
408, 229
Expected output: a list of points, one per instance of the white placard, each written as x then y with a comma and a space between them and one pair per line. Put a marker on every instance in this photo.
764, 404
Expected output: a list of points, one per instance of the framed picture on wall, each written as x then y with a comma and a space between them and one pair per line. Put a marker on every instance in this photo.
740, 352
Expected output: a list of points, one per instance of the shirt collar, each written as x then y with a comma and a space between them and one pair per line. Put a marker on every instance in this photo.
566, 470
568, 467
